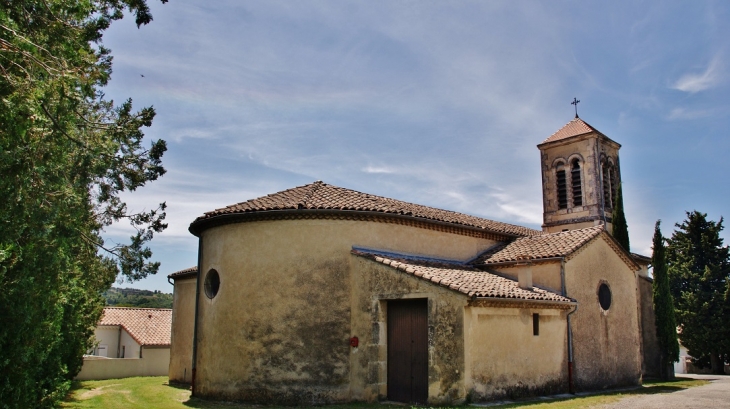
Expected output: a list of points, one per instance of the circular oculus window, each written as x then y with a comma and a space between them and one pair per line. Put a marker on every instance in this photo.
212, 284
604, 296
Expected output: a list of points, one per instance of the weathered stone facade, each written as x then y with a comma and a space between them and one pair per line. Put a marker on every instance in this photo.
289, 293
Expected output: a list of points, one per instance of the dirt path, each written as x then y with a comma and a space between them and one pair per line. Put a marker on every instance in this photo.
714, 395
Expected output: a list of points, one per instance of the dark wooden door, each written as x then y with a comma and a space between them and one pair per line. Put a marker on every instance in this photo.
408, 351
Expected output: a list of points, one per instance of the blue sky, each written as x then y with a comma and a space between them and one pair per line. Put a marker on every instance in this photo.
439, 103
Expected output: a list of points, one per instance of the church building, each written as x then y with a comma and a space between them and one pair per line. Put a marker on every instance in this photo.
321, 294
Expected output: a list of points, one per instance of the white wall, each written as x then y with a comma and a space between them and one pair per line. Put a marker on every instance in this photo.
106, 336
154, 363
131, 347
681, 366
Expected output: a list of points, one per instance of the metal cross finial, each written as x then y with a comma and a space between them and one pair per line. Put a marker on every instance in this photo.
575, 102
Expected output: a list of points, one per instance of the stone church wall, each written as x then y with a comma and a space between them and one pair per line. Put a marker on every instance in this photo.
373, 286
651, 361
278, 330
183, 321
605, 343
504, 359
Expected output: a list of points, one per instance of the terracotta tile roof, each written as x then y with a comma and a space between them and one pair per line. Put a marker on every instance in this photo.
321, 196
464, 279
190, 271
539, 247
573, 128
641, 259
148, 326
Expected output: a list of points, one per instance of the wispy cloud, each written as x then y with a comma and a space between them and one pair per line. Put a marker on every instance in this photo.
684, 113
696, 82
437, 103
377, 169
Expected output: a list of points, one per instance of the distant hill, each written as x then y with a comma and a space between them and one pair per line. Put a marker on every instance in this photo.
132, 297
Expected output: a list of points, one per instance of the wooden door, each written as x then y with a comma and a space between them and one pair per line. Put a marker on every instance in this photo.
408, 350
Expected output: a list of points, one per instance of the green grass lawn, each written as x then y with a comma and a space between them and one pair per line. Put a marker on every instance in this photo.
155, 392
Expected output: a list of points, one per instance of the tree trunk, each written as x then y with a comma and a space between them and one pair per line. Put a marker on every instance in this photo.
717, 364
666, 369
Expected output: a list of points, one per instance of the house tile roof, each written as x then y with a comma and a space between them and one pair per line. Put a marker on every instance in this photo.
464, 279
573, 128
539, 247
148, 326
190, 271
321, 196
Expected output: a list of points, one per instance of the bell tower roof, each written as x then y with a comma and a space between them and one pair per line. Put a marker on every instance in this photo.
576, 127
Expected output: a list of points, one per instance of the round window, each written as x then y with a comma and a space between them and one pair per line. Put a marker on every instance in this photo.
604, 296
212, 283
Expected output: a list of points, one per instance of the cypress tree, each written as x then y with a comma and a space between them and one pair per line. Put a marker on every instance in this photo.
666, 324
68, 157
618, 220
699, 271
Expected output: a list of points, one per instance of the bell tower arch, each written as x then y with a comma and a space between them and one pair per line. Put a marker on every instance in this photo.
580, 176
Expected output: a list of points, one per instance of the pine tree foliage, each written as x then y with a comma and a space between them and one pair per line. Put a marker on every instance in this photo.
66, 154
699, 272
666, 324
618, 221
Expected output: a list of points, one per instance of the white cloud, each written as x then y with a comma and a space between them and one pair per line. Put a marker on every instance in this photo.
693, 83
683, 113
522, 211
377, 169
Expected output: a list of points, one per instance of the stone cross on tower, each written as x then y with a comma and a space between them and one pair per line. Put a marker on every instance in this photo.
575, 102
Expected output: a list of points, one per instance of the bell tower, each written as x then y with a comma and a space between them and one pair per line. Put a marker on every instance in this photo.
580, 176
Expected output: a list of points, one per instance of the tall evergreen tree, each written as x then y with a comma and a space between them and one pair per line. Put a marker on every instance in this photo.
699, 271
66, 156
618, 221
666, 324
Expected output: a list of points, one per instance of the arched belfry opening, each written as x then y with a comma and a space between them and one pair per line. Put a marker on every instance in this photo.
575, 182
561, 181
580, 175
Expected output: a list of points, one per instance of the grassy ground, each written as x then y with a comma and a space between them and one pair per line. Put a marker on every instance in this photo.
155, 392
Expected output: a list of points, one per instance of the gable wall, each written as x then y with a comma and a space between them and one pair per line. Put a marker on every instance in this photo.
278, 330
605, 343
131, 347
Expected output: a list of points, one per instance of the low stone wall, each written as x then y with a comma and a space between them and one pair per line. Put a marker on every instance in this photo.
155, 362
694, 369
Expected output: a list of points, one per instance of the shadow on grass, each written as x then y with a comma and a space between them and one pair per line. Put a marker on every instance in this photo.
649, 388
70, 395
178, 385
